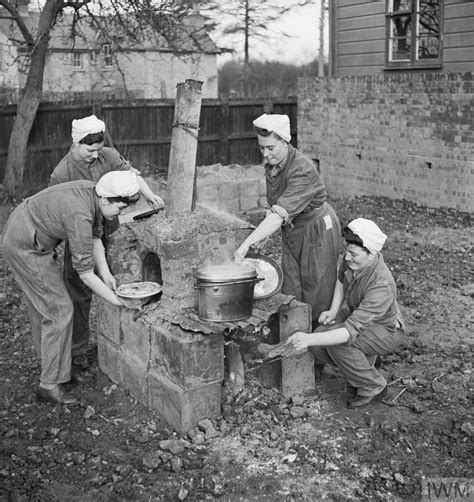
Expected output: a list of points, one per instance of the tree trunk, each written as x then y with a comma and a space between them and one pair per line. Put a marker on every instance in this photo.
246, 50
28, 102
322, 22
184, 142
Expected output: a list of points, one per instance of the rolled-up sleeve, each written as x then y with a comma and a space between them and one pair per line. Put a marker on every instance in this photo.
80, 230
376, 302
300, 191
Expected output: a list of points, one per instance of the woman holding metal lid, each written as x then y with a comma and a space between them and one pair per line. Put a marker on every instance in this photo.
89, 159
364, 319
70, 211
297, 204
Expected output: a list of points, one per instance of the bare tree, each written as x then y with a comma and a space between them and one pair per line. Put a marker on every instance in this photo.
252, 20
117, 21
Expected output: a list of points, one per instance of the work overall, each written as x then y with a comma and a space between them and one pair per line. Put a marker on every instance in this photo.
71, 169
311, 231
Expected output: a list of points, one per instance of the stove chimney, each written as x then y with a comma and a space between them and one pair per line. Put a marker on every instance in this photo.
184, 140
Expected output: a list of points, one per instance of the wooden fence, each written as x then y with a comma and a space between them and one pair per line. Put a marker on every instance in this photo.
141, 131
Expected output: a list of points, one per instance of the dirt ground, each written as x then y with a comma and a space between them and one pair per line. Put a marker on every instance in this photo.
264, 447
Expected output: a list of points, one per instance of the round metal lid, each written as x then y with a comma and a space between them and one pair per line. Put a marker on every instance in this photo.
227, 272
269, 271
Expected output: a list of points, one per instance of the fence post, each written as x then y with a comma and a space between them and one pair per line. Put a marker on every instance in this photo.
268, 107
99, 111
224, 132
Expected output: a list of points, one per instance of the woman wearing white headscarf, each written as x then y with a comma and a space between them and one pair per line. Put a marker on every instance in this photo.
364, 320
297, 204
89, 159
70, 211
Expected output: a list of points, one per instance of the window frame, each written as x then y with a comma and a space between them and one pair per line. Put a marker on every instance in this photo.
77, 57
108, 56
413, 62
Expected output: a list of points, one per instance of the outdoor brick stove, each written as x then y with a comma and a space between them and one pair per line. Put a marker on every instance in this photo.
168, 358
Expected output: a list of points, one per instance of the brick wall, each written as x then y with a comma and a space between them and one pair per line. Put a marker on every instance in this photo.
405, 136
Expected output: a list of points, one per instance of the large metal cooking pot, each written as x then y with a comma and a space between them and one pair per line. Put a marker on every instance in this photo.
225, 292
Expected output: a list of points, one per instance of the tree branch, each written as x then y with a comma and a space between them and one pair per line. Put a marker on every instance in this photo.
13, 11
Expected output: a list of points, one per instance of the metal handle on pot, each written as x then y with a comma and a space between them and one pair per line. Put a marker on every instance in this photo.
237, 281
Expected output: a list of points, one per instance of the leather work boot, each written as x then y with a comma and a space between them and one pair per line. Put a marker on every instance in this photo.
361, 401
55, 396
81, 361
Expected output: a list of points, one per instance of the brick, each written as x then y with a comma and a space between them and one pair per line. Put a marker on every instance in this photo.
108, 356
183, 409
108, 320
133, 376
187, 359
136, 336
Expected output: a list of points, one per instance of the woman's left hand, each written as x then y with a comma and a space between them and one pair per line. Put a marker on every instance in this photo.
300, 340
109, 281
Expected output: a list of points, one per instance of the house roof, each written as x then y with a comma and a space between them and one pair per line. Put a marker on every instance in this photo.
190, 36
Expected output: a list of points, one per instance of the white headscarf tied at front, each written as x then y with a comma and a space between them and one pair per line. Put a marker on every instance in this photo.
372, 237
279, 124
88, 125
117, 184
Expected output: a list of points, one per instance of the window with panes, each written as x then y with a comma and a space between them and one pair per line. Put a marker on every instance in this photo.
414, 33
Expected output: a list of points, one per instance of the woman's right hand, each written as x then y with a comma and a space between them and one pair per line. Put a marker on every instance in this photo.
240, 254
327, 317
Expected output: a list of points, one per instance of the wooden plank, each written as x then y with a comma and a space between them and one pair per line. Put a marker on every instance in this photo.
360, 48
459, 10
458, 66
351, 3
461, 41
456, 25
364, 10
459, 55
369, 60
361, 23
377, 33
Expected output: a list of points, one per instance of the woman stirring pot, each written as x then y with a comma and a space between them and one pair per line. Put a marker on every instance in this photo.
296, 198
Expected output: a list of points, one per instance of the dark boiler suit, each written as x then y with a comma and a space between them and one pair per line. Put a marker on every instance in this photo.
70, 169
34, 229
310, 231
371, 314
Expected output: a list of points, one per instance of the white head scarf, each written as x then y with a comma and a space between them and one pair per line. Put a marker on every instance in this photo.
279, 124
88, 125
117, 184
372, 237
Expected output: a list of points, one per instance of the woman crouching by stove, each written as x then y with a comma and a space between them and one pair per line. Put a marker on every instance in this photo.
364, 320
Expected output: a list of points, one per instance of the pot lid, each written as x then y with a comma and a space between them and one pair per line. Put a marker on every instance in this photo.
267, 269
227, 272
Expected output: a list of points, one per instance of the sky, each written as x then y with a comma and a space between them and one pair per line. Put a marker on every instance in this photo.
302, 47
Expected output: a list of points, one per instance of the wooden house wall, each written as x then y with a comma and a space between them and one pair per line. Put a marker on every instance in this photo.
357, 36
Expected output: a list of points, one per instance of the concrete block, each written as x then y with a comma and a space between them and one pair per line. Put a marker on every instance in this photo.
183, 409
108, 321
228, 191
133, 376
109, 356
187, 359
298, 371
136, 336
